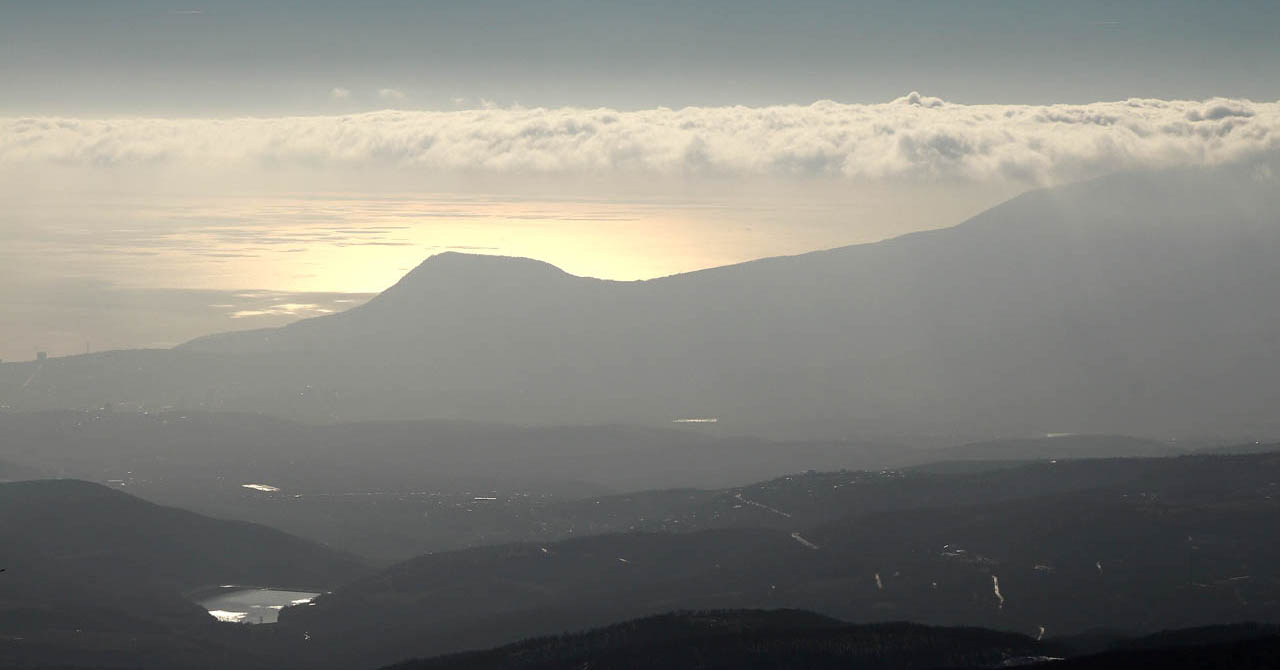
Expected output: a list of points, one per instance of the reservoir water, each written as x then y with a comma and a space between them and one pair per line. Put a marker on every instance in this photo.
238, 604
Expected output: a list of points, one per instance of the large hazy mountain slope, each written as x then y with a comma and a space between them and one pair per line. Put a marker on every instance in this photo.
1142, 304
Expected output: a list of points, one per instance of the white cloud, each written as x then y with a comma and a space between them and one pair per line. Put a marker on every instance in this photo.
390, 94
914, 137
339, 93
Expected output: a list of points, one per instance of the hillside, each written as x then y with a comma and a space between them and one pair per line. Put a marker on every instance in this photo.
1070, 547
715, 640
1155, 544
1254, 654
1132, 304
87, 529
95, 578
797, 639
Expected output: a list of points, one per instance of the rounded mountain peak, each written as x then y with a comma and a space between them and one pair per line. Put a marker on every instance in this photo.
454, 272
459, 263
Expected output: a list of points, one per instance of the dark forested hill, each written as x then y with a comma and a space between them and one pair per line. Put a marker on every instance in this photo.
1250, 654
109, 536
1151, 544
748, 640
1051, 548
95, 578
731, 639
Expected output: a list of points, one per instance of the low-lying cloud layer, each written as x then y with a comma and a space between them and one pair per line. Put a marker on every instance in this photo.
913, 137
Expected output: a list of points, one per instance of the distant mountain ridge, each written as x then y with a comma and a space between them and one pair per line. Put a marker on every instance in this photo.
1063, 446
1139, 304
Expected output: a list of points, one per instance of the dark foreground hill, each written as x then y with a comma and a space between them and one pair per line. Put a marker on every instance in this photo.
95, 578
1133, 304
87, 529
754, 639
1251, 654
1135, 545
748, 640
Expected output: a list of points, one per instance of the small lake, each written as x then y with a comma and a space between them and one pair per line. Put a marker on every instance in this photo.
238, 604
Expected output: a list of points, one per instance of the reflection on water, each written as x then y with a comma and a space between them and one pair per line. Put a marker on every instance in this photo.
229, 617
236, 604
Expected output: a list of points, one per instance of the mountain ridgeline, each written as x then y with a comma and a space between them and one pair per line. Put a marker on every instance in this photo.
1138, 304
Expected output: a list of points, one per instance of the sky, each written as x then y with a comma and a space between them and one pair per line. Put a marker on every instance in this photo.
169, 169
234, 57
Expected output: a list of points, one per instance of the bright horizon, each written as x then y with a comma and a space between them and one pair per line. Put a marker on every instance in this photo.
160, 163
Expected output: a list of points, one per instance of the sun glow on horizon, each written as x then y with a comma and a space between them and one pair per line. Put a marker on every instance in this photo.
363, 243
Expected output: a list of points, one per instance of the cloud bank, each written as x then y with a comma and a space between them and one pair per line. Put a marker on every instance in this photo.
913, 138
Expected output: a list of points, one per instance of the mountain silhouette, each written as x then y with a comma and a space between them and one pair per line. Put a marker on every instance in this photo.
1133, 304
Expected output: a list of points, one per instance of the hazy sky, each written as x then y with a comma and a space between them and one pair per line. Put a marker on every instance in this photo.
172, 168
230, 57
